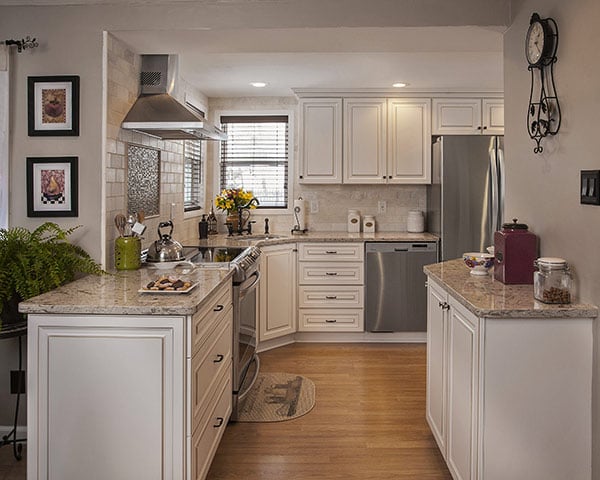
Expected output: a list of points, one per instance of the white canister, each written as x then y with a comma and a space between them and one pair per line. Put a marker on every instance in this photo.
369, 224
353, 221
416, 221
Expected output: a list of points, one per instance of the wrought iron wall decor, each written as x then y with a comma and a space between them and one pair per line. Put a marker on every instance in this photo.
22, 44
543, 114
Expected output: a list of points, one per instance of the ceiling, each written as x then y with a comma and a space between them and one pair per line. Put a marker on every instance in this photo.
223, 62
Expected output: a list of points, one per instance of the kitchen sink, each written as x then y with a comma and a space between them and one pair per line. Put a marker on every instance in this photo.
261, 236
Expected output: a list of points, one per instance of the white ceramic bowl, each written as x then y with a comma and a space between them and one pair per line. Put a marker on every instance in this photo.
478, 262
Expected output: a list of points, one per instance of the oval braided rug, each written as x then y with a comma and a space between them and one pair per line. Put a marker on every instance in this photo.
275, 397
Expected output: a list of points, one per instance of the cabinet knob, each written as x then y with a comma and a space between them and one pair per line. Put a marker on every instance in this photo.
485, 127
479, 127
301, 176
390, 177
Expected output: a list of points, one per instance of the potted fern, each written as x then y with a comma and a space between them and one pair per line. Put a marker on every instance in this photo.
35, 262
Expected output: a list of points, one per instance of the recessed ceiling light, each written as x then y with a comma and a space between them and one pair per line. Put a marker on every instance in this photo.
399, 85
258, 84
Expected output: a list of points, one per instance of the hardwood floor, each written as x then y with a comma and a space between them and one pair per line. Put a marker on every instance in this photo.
368, 422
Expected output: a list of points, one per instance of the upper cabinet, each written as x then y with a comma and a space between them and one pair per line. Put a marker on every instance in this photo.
468, 116
321, 140
365, 140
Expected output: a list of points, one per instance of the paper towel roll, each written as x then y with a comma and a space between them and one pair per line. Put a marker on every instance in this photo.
299, 214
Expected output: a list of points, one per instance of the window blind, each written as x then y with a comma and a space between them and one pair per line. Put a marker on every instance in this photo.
255, 157
193, 188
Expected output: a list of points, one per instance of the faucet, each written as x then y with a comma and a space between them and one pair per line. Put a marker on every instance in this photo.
240, 210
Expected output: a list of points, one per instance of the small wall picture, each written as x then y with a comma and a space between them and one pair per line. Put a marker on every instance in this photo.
53, 106
52, 187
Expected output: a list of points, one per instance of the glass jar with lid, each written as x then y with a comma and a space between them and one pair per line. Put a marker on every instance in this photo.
552, 281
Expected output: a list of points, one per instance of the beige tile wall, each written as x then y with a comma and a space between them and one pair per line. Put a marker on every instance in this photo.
123, 86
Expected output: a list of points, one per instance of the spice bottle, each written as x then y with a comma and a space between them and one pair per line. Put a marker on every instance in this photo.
552, 281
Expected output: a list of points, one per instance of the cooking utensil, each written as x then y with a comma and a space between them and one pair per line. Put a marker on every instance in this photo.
120, 222
165, 249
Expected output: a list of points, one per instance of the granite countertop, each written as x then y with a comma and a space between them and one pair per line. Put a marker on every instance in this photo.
287, 237
117, 294
487, 297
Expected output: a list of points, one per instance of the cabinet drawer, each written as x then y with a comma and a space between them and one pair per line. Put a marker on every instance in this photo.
207, 367
206, 439
331, 252
206, 319
344, 320
331, 297
313, 273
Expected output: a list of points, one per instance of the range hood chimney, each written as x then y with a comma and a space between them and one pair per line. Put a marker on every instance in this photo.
156, 112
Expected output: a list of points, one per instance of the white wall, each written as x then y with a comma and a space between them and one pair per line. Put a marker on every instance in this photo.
543, 190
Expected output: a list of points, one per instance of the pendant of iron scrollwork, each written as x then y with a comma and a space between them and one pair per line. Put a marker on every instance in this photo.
543, 115
22, 44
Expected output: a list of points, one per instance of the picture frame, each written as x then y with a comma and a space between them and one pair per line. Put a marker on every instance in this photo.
53, 106
52, 186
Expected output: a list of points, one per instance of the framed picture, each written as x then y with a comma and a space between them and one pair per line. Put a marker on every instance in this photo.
53, 106
52, 187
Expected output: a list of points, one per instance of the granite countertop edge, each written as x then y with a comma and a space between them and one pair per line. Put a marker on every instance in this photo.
480, 295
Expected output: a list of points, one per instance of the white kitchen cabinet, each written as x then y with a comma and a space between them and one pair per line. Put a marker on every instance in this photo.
128, 396
508, 397
277, 292
409, 140
331, 287
365, 145
320, 141
468, 116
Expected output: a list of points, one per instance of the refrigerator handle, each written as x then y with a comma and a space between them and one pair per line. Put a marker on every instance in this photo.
494, 187
500, 174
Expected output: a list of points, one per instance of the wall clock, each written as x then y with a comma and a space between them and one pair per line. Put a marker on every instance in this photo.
543, 114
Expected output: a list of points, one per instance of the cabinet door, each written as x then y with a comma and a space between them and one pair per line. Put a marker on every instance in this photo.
463, 374
493, 116
409, 140
321, 140
458, 116
437, 327
277, 292
365, 122
106, 396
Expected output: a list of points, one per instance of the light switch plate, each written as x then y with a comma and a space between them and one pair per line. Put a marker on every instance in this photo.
589, 188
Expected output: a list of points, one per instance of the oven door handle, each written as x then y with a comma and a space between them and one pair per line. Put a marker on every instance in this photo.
245, 290
256, 371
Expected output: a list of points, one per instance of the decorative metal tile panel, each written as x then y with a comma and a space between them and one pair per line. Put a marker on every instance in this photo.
143, 180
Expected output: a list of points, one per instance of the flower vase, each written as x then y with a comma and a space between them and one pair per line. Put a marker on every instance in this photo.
232, 218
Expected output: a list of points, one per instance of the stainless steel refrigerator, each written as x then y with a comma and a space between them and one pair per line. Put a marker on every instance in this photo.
466, 197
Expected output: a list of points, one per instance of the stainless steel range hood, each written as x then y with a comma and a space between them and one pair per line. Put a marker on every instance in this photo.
156, 112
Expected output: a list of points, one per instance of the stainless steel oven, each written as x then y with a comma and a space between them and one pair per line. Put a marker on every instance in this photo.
246, 276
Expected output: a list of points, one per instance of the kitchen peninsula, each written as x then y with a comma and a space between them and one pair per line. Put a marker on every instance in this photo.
509, 379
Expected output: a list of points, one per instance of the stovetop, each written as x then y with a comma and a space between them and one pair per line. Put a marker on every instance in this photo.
216, 255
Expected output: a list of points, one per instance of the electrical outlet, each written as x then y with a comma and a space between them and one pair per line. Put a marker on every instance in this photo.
381, 206
314, 206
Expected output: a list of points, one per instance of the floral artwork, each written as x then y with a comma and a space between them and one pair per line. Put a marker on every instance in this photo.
232, 198
52, 187
53, 105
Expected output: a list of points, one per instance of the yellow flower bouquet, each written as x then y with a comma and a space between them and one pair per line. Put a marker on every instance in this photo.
232, 198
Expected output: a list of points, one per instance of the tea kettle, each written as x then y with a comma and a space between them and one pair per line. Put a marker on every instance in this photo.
165, 249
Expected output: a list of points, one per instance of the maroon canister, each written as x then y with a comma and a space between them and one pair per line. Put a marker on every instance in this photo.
515, 249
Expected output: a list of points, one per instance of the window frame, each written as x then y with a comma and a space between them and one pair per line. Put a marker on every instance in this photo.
196, 211
291, 156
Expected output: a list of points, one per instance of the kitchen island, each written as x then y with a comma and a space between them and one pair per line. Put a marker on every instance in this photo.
509, 379
123, 384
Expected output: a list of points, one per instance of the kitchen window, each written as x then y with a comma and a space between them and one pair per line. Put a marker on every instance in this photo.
255, 156
193, 188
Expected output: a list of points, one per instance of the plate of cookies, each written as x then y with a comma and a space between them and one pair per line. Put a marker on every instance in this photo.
168, 284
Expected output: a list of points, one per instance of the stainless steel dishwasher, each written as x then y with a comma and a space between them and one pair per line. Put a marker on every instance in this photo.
395, 284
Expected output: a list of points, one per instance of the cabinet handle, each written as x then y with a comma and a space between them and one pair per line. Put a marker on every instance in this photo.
220, 421
445, 306
331, 273
219, 358
330, 297
218, 308
331, 252
332, 320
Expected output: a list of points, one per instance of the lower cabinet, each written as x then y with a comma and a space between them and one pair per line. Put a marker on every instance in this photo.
124, 397
508, 398
277, 292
